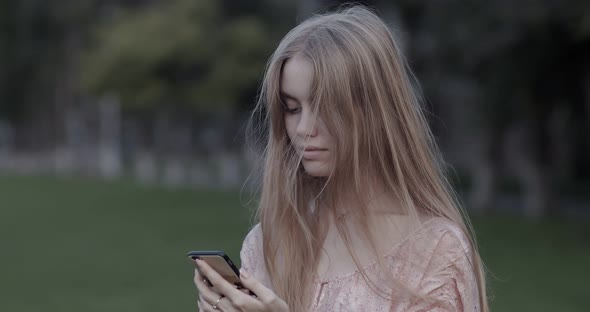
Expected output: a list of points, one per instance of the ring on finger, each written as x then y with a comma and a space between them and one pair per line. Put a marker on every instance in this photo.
214, 306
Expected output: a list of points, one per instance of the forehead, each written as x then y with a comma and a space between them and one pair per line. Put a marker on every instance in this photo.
297, 77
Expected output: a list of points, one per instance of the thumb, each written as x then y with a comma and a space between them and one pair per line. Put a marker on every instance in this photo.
255, 286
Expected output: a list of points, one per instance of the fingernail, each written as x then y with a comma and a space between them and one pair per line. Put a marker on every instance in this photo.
244, 274
198, 261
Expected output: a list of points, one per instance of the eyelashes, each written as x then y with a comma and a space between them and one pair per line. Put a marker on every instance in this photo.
288, 110
291, 110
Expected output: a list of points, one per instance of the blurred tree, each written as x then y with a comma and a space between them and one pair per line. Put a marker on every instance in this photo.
203, 55
38, 78
528, 64
180, 53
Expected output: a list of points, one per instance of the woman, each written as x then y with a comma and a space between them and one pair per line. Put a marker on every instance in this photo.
355, 211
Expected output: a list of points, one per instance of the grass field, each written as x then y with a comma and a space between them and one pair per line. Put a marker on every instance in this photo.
83, 245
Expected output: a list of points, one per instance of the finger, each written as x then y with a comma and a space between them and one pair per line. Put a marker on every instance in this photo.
197, 272
205, 306
222, 305
226, 306
263, 293
200, 281
198, 276
223, 286
206, 293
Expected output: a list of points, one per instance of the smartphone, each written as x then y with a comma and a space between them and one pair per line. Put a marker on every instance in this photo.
221, 263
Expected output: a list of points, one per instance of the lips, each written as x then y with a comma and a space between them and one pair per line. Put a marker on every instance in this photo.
314, 148
313, 152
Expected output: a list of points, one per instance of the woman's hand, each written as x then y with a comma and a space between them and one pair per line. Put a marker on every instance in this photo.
228, 298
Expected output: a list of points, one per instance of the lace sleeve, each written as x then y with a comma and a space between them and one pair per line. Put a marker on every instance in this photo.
250, 253
449, 280
252, 256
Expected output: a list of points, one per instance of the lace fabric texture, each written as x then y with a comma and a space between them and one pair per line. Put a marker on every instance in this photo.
434, 261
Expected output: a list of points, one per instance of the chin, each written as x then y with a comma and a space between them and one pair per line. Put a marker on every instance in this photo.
316, 170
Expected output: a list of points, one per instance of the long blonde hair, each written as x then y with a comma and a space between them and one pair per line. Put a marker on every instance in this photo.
362, 89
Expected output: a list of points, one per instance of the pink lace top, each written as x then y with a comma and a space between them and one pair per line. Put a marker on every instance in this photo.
434, 260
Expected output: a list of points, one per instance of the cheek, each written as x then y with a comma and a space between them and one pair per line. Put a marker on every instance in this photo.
290, 126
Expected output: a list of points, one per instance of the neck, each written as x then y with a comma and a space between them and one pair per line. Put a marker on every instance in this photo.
374, 198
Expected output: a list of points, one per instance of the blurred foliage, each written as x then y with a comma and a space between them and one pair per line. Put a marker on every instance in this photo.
209, 55
525, 60
203, 54
30, 43
179, 52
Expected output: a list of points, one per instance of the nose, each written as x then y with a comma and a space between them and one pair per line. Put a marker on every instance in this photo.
307, 125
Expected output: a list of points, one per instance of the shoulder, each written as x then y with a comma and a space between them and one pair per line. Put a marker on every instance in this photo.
445, 231
252, 256
440, 241
252, 244
440, 266
254, 236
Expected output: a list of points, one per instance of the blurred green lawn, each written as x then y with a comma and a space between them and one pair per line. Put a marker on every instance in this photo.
84, 245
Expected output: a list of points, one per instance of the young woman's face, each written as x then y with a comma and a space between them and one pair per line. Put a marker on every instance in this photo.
308, 136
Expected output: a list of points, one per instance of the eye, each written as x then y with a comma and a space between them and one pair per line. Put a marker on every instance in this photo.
290, 110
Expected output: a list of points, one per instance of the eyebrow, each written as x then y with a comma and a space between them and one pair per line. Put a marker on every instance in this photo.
288, 96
